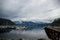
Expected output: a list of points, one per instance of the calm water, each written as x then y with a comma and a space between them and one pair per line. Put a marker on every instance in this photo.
26, 35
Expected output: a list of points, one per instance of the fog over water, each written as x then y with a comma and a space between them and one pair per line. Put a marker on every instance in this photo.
26, 35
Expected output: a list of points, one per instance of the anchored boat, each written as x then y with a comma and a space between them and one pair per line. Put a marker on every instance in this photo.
4, 29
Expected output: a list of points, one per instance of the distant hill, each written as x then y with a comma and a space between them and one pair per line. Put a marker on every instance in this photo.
6, 22
56, 22
32, 25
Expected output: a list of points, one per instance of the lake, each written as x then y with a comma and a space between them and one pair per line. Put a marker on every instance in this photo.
26, 35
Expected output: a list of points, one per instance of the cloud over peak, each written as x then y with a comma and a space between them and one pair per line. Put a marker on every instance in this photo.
30, 9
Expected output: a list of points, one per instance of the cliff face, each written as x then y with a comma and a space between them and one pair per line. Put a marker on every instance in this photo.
6, 22
56, 22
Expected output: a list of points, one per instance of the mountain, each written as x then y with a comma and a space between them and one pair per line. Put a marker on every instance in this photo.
17, 22
6, 22
31, 25
56, 22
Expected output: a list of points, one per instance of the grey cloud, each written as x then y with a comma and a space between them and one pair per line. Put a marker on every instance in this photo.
29, 9
12, 9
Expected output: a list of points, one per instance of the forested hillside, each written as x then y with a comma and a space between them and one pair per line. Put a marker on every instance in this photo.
6, 22
56, 22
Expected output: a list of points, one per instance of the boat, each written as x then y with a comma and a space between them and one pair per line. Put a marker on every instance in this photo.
53, 32
4, 29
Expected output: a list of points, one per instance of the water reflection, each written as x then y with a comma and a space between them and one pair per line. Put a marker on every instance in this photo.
26, 35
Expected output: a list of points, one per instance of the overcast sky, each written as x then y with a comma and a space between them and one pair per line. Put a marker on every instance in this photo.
27, 10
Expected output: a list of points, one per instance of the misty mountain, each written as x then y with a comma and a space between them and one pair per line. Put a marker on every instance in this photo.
31, 25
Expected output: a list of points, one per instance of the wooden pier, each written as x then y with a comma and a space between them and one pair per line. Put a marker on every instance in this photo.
53, 33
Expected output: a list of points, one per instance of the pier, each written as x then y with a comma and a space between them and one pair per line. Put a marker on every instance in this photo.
53, 32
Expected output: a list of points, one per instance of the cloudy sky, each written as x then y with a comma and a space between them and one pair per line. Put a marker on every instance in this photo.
27, 10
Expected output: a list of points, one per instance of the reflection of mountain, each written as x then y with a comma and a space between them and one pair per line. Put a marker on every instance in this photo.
6, 22
32, 25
